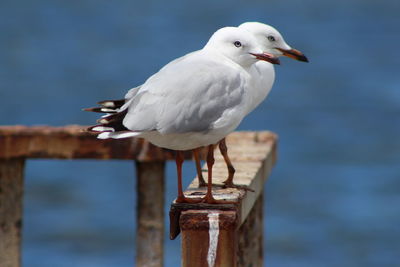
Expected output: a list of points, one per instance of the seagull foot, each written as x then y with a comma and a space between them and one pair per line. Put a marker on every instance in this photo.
209, 199
183, 199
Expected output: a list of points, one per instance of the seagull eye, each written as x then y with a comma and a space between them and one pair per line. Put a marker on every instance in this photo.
271, 38
237, 44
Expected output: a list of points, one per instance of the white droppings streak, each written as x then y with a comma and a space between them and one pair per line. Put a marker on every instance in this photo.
213, 232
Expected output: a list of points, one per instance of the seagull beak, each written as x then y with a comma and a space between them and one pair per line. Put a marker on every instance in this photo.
293, 53
267, 57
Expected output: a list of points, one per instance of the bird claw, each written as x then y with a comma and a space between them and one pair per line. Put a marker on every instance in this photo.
183, 199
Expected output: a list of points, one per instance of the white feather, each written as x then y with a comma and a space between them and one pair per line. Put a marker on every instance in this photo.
108, 104
117, 135
103, 129
108, 110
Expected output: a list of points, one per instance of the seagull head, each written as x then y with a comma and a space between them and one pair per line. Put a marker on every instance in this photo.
272, 41
240, 46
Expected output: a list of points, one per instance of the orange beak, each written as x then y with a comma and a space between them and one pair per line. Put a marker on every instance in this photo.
293, 53
267, 57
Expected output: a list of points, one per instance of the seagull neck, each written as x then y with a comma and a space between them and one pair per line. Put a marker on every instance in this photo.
218, 54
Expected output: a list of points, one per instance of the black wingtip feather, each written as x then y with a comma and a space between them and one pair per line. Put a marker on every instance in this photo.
114, 121
112, 103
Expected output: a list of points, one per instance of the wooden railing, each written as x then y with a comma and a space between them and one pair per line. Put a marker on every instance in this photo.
212, 235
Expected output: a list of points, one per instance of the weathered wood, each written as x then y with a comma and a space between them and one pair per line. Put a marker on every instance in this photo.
150, 214
253, 155
178, 208
251, 238
211, 238
208, 238
11, 191
73, 142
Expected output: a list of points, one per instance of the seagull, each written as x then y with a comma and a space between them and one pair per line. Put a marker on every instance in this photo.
263, 76
192, 102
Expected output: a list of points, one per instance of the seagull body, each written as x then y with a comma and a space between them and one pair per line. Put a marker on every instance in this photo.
198, 109
193, 101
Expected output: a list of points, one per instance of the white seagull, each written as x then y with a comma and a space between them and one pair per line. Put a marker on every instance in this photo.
262, 75
193, 101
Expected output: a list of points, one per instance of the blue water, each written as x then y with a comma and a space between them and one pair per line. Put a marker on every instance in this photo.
332, 200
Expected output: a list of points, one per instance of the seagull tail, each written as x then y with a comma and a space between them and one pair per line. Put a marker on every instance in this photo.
111, 126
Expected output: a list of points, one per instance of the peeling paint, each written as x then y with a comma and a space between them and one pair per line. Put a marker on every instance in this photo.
213, 232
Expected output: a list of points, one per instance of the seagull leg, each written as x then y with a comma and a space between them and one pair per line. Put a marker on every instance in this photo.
179, 162
181, 197
200, 178
210, 162
209, 199
231, 170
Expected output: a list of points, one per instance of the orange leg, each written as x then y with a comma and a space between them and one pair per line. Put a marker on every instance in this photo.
210, 162
200, 178
179, 162
231, 170
181, 197
209, 196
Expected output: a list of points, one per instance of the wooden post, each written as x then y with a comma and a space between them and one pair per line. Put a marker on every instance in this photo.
11, 191
150, 214
250, 237
212, 238
209, 238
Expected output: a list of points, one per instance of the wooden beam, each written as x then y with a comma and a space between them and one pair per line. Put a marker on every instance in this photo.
11, 191
73, 142
251, 238
150, 214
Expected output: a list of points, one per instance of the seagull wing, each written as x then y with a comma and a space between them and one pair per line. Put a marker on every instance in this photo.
188, 95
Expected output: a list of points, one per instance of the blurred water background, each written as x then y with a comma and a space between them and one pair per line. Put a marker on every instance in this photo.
332, 200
